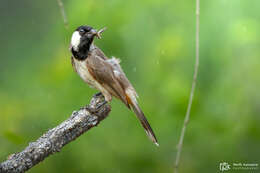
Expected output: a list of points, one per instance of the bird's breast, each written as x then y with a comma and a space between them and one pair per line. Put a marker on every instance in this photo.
82, 70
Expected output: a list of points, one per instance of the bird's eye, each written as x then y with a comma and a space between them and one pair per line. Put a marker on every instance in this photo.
81, 31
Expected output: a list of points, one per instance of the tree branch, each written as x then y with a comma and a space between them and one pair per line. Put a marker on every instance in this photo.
196, 67
52, 141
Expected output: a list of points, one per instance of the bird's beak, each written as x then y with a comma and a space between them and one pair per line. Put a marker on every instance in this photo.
97, 33
94, 32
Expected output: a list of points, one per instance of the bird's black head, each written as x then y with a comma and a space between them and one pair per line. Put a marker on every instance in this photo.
81, 41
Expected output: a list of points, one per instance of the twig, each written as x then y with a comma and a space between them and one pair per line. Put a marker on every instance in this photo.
55, 139
62, 10
195, 74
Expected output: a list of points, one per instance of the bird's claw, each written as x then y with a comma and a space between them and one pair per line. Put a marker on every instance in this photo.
95, 109
98, 94
100, 105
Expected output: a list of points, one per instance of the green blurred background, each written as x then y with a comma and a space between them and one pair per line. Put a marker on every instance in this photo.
155, 39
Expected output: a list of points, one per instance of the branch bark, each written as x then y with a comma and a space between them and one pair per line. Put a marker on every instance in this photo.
195, 74
55, 139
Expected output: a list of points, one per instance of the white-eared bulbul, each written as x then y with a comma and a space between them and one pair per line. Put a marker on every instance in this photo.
104, 74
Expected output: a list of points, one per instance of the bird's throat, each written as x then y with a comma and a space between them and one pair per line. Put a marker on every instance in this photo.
83, 49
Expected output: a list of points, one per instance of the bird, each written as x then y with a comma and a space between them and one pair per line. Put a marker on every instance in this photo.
103, 73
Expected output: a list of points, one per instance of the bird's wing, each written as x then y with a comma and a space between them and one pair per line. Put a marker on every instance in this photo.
111, 76
120, 76
131, 96
102, 71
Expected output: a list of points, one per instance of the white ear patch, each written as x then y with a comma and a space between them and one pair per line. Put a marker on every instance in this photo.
75, 40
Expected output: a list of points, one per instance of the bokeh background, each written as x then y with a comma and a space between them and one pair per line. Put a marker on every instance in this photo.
155, 39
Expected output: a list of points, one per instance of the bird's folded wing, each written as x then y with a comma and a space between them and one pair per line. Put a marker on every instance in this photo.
103, 72
121, 77
131, 97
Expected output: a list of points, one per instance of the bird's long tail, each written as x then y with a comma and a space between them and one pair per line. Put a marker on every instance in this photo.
131, 99
140, 115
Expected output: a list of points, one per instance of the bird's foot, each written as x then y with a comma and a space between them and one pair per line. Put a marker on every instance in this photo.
98, 94
100, 105
95, 109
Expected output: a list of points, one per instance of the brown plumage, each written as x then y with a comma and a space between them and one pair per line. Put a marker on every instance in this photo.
107, 76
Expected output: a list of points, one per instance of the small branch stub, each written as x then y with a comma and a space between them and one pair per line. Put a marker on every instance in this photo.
55, 139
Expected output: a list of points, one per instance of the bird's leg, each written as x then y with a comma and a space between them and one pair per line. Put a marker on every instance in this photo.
98, 94
103, 102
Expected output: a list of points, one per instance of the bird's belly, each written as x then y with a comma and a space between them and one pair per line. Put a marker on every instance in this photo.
82, 70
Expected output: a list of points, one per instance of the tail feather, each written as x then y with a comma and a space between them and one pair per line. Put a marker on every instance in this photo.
130, 97
140, 115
